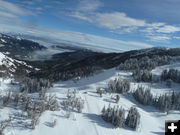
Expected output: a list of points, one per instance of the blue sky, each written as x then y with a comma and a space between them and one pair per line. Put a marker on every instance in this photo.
109, 23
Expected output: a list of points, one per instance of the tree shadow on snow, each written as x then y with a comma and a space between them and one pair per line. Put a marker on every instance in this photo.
48, 124
59, 116
93, 95
157, 133
60, 98
109, 100
20, 122
94, 118
164, 88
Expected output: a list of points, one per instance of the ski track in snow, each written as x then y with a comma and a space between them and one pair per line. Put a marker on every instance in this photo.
89, 111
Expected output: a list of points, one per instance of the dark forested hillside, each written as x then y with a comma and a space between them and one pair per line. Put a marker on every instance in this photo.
18, 48
83, 62
69, 67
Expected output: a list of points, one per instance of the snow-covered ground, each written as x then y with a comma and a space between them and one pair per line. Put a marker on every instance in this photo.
10, 63
89, 122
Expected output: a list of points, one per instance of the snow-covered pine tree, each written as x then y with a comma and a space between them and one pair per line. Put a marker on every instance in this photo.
119, 117
114, 115
171, 74
144, 63
119, 85
142, 75
168, 102
143, 95
35, 85
73, 102
133, 118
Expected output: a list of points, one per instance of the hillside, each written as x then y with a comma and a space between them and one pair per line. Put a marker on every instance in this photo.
84, 64
71, 89
10, 67
90, 119
89, 67
17, 47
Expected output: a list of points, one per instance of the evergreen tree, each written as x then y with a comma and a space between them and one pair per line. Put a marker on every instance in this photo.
114, 115
118, 85
133, 118
143, 95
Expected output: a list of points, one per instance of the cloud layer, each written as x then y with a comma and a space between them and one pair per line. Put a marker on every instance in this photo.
121, 23
89, 12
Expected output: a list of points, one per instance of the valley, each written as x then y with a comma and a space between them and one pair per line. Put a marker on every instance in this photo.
92, 77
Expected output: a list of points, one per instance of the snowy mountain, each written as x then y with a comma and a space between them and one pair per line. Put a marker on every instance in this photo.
139, 90
10, 66
7, 62
17, 47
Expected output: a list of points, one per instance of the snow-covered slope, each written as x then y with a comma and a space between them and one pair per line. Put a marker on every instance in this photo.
89, 122
159, 70
11, 64
16, 47
7, 62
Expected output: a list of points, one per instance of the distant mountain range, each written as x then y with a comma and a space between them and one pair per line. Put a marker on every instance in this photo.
21, 48
76, 63
17, 47
72, 59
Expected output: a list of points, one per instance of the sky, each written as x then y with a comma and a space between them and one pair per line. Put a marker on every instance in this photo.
110, 24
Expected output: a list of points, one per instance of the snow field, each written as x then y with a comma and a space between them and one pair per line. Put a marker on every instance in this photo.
89, 122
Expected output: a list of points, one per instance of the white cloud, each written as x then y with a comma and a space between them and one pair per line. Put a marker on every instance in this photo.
88, 10
88, 5
8, 15
13, 8
78, 39
124, 30
10, 22
156, 25
159, 38
168, 29
117, 20
160, 32
175, 37
80, 16
120, 23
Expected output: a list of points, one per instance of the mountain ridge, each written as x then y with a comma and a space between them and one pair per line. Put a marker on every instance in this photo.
17, 47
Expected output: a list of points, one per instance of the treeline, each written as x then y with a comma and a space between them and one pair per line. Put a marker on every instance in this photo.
32, 85
116, 116
144, 63
165, 102
118, 85
143, 95
141, 68
142, 75
67, 73
171, 74
168, 102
